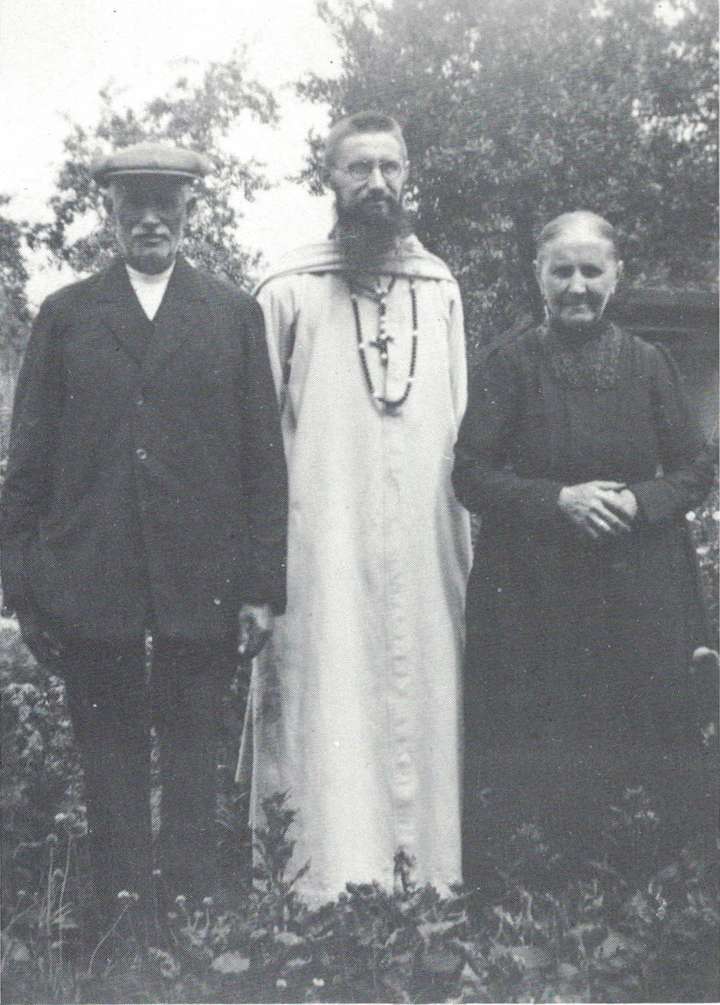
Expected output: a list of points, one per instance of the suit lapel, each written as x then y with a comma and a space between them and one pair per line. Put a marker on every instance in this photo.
182, 314
121, 312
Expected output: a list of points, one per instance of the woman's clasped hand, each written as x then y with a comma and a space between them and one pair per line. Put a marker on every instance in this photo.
599, 508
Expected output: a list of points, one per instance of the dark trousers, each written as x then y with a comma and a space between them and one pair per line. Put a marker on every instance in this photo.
113, 703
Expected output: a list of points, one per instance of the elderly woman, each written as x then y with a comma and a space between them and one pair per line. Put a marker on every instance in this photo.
579, 453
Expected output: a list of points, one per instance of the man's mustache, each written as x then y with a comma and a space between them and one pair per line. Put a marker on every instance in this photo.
379, 197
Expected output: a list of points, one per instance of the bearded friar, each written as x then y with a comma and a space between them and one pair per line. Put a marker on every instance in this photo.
354, 705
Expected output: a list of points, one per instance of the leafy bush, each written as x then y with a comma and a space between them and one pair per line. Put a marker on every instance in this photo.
705, 529
601, 937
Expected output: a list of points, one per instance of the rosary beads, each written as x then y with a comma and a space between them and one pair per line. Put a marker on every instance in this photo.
382, 342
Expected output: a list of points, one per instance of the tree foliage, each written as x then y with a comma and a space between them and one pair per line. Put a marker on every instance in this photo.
13, 279
199, 115
515, 112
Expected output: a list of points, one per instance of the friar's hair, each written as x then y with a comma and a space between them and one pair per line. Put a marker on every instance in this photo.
360, 122
565, 221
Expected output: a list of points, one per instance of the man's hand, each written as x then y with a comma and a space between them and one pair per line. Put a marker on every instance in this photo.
41, 643
599, 509
256, 625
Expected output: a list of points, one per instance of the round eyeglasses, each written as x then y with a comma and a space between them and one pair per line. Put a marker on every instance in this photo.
361, 170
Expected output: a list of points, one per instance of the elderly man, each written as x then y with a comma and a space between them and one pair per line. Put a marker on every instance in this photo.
146, 493
355, 703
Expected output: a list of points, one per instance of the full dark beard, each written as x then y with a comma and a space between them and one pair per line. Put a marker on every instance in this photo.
366, 237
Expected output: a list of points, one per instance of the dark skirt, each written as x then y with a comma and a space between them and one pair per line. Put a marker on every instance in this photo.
578, 685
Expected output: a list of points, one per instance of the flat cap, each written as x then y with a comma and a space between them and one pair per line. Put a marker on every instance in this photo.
157, 159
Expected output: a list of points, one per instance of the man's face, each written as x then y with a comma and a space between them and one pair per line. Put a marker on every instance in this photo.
149, 216
368, 176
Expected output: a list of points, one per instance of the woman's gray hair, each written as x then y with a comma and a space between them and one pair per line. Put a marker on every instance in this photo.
565, 221
360, 122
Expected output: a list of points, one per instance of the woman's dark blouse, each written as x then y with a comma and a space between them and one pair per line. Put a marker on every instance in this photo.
555, 620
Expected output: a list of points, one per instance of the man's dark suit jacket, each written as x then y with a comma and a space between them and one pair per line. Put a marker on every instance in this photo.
146, 468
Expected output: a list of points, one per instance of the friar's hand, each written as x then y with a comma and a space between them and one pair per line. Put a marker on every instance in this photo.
41, 643
255, 628
599, 509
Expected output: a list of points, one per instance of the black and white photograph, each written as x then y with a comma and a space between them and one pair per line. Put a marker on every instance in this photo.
359, 511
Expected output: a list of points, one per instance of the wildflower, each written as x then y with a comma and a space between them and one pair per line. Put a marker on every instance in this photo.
181, 900
60, 818
22, 894
208, 902
157, 873
52, 839
124, 895
690, 516
281, 983
318, 982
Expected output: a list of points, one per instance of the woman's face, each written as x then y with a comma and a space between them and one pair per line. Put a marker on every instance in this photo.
577, 272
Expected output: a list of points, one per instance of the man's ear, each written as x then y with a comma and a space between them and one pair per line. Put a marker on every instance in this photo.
190, 204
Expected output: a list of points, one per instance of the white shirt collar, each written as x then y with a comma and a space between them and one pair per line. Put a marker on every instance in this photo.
149, 288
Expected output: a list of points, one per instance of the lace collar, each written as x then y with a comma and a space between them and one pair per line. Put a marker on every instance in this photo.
584, 360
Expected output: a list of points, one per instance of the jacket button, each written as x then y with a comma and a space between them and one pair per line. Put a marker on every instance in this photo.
140, 402
141, 453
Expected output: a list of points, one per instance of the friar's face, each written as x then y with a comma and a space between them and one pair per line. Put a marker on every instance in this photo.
149, 217
368, 175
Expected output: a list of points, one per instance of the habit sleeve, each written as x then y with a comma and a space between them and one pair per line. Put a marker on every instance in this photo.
483, 482
686, 461
28, 481
277, 300
265, 475
456, 344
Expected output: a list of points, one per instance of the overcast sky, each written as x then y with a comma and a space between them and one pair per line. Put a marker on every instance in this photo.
55, 55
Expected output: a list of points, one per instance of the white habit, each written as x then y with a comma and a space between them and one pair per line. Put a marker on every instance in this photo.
355, 706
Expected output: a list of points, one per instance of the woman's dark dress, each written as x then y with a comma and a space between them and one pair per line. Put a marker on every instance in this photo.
578, 651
